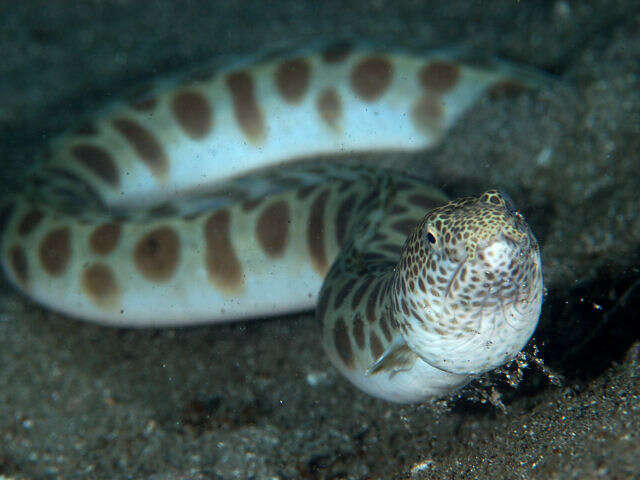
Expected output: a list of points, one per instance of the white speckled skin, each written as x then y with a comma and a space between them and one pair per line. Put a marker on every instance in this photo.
164, 212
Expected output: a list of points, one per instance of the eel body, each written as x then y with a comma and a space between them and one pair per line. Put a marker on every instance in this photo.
194, 205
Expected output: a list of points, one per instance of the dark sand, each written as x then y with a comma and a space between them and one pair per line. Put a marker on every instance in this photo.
259, 399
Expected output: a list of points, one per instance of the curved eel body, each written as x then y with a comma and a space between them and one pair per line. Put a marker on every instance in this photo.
170, 210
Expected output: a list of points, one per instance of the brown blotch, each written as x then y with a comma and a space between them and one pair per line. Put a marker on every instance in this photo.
223, 266
344, 292
55, 251
373, 257
292, 79
245, 106
99, 284
29, 221
371, 77
369, 199
343, 217
104, 238
157, 253
19, 265
193, 112
304, 192
342, 342
376, 345
323, 303
427, 114
250, 205
315, 233
80, 184
403, 302
370, 309
330, 108
385, 328
145, 144
337, 53
357, 297
439, 77
272, 228
99, 161
358, 331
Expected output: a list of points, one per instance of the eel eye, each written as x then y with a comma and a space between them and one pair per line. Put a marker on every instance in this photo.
431, 238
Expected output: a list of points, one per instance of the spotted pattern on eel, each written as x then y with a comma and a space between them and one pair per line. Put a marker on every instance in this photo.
170, 210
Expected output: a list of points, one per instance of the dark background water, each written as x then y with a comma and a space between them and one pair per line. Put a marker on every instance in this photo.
260, 400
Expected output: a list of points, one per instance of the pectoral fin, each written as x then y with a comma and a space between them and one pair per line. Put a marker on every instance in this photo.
396, 358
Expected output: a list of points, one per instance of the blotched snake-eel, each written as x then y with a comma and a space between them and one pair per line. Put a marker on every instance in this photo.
181, 207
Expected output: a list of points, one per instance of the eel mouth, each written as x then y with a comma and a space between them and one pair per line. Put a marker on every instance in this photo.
504, 269
516, 289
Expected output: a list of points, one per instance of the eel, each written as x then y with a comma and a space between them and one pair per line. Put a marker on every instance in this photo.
214, 201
